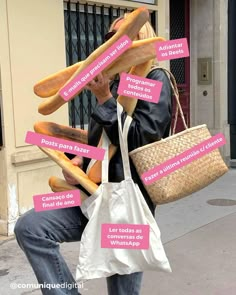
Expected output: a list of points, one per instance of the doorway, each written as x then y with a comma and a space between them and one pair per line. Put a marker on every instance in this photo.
179, 28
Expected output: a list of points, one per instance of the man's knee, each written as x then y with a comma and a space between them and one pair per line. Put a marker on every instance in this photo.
19, 227
24, 225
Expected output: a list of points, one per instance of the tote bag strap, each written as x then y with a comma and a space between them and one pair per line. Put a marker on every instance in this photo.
123, 146
106, 140
105, 162
123, 139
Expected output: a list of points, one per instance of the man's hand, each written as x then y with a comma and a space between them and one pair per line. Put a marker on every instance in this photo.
76, 161
100, 88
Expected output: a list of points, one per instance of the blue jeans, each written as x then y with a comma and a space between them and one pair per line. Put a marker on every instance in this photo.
39, 234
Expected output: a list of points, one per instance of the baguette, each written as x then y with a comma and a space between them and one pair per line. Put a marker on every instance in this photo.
130, 27
74, 171
61, 131
60, 185
140, 52
52, 83
129, 105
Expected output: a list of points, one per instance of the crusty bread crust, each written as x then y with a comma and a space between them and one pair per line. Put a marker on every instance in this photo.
74, 171
60, 185
61, 131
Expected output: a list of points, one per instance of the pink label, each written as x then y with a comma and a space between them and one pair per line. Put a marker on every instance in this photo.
88, 74
68, 146
140, 88
125, 236
58, 200
172, 49
183, 159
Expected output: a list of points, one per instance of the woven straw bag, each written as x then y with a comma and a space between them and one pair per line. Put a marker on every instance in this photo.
187, 179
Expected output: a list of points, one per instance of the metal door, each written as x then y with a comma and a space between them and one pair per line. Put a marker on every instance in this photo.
179, 28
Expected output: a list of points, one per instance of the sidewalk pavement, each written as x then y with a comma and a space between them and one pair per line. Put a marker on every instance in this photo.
199, 237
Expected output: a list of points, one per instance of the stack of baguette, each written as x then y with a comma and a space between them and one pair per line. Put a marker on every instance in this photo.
138, 57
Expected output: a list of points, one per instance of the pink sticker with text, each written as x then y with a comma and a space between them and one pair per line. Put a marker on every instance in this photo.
172, 49
183, 159
140, 88
57, 200
88, 74
125, 236
68, 146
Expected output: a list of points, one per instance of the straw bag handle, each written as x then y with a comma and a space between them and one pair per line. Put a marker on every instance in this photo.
174, 88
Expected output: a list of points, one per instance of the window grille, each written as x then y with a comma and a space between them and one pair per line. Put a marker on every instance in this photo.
177, 31
85, 27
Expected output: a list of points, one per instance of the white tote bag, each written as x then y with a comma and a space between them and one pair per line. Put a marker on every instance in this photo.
118, 204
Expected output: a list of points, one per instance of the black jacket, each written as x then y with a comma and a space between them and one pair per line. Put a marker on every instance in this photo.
151, 122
